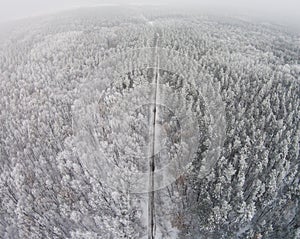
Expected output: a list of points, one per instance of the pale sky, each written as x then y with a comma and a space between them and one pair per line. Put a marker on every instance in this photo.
281, 11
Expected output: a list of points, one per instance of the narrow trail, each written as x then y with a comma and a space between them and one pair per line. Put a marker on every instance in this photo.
154, 112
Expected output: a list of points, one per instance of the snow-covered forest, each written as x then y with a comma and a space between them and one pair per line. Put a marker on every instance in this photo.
76, 110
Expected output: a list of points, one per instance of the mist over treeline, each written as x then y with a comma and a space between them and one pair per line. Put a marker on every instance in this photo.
278, 11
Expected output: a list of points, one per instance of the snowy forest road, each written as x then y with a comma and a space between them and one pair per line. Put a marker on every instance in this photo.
151, 203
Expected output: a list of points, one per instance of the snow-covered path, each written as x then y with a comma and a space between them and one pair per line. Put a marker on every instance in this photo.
154, 133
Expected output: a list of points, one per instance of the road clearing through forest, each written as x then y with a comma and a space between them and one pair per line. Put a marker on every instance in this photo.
153, 133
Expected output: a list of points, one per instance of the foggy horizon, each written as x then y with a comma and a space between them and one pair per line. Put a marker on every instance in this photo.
277, 12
